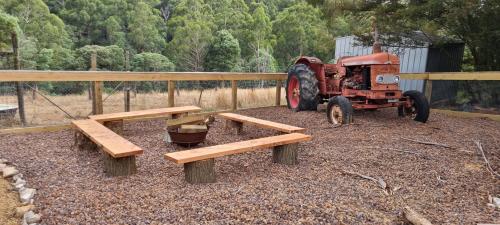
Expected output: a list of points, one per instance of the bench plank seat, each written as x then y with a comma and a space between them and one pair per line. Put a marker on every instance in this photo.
261, 123
143, 113
235, 148
112, 143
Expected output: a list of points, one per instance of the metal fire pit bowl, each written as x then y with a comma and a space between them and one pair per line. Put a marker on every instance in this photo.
187, 139
7, 111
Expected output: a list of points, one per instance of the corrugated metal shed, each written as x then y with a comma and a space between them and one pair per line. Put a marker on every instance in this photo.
412, 60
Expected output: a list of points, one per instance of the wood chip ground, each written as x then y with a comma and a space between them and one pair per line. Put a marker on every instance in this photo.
446, 185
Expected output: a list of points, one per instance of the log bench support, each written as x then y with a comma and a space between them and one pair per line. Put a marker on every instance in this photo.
118, 154
115, 125
238, 126
122, 166
200, 172
199, 163
286, 154
84, 143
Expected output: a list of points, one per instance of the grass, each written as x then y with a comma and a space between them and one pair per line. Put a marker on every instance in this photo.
39, 111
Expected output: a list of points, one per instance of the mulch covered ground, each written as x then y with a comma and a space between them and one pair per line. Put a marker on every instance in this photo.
447, 185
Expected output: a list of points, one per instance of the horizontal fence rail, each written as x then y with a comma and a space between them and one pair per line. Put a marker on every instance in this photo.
489, 75
96, 78
28, 75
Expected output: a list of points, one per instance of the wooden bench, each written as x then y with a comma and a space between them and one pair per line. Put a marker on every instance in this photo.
236, 121
114, 121
199, 163
119, 154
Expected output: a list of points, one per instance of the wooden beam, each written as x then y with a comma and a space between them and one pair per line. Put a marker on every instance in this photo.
38, 129
278, 93
428, 90
19, 85
414, 76
171, 91
461, 114
234, 98
97, 106
27, 75
489, 75
97, 86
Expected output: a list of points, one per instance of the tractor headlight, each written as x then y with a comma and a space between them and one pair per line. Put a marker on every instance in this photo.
387, 79
396, 79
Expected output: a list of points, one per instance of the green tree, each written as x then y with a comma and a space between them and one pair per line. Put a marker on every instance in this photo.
300, 30
223, 53
265, 63
44, 59
108, 57
151, 62
143, 25
262, 39
8, 26
114, 33
36, 21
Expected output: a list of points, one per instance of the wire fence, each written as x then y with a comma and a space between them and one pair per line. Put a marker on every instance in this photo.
54, 103
466, 95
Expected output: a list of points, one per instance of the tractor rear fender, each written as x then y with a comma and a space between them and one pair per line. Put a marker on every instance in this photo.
318, 68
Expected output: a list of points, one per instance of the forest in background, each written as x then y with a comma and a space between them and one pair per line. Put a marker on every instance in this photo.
234, 35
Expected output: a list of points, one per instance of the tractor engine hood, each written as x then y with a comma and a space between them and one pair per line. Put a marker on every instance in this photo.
382, 58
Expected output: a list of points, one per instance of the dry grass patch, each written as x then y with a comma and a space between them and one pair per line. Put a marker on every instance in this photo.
39, 111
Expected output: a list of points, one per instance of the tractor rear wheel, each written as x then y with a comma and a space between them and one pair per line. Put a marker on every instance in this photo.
419, 110
339, 110
302, 89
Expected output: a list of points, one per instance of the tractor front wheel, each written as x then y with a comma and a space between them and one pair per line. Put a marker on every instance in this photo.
339, 110
419, 109
302, 89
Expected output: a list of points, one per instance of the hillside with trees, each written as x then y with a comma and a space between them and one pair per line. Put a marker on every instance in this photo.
229, 35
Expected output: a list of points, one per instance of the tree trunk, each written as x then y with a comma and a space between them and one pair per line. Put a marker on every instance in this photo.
234, 124
286, 154
116, 126
83, 143
119, 166
200, 172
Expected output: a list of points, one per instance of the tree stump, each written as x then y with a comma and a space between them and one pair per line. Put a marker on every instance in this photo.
116, 126
200, 172
286, 154
82, 142
119, 166
230, 124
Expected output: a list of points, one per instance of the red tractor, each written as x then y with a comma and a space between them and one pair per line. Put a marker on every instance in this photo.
366, 82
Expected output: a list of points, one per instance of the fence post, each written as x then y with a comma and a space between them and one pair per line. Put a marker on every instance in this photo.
127, 98
234, 99
97, 107
171, 91
428, 90
19, 85
278, 93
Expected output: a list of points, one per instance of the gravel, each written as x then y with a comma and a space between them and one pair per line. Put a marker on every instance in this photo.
448, 186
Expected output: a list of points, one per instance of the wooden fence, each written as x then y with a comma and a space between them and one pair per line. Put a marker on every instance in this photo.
98, 77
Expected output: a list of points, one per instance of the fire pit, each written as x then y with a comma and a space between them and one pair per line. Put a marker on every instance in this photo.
7, 111
186, 139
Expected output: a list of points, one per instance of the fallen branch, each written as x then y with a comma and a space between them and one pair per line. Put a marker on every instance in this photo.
427, 143
488, 166
381, 183
414, 217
